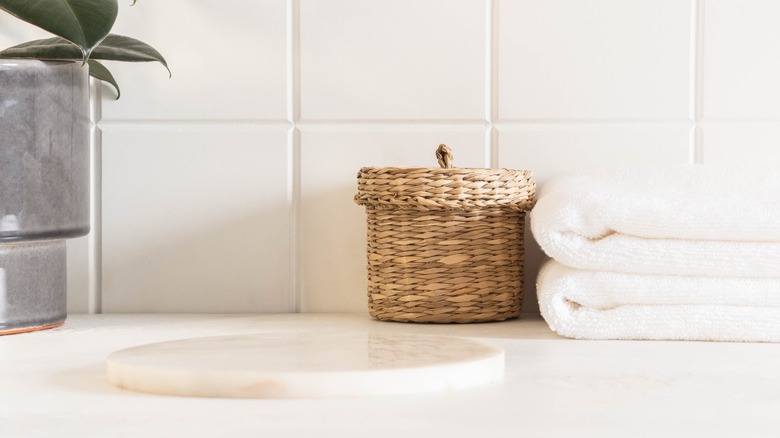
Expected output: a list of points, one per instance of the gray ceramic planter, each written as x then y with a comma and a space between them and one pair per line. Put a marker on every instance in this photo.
44, 186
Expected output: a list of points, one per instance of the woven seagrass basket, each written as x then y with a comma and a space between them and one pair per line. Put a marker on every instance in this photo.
445, 244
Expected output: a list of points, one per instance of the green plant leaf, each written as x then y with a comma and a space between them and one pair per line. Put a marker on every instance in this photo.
99, 71
50, 48
113, 48
127, 49
82, 22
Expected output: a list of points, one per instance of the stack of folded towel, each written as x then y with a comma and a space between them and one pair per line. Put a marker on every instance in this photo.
688, 253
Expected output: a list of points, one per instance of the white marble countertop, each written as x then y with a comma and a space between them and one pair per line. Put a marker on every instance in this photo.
53, 383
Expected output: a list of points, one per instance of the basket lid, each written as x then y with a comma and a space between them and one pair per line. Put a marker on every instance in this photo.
446, 188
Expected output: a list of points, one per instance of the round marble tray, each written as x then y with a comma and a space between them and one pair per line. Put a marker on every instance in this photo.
306, 365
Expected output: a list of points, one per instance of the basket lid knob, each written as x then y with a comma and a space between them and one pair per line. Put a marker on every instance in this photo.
444, 156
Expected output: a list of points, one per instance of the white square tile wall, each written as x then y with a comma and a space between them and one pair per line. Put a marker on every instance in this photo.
195, 221
275, 104
15, 31
734, 144
596, 59
402, 59
741, 59
227, 61
554, 150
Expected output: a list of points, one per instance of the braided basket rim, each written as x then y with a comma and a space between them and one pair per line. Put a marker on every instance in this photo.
456, 197
367, 169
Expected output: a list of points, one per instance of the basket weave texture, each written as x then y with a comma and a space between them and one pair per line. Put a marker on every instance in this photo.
445, 245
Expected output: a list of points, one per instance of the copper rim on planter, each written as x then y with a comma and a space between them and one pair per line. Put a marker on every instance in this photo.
445, 244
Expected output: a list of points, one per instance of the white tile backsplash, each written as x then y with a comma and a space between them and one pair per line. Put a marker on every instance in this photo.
228, 61
597, 59
195, 220
552, 151
15, 31
741, 59
402, 59
734, 144
229, 187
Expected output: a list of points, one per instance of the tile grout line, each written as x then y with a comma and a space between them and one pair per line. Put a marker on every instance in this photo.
293, 63
294, 154
426, 123
597, 121
491, 92
763, 121
188, 124
95, 239
698, 80
392, 122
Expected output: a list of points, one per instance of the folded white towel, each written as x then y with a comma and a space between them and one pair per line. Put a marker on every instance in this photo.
608, 305
691, 220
